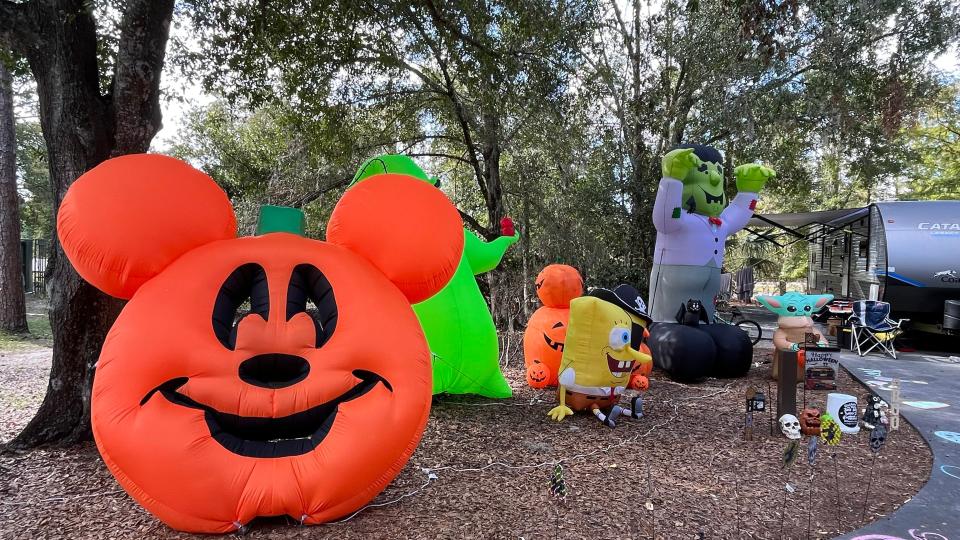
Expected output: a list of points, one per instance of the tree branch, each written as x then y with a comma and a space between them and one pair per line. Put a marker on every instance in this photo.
316, 194
144, 29
439, 21
458, 107
473, 223
446, 156
414, 139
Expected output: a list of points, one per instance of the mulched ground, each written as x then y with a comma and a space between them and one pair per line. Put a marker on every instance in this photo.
683, 471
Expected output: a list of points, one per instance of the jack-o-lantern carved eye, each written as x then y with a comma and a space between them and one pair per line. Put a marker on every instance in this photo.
309, 292
246, 283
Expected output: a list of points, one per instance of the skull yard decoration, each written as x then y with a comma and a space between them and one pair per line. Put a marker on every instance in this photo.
258, 376
790, 426
878, 436
810, 422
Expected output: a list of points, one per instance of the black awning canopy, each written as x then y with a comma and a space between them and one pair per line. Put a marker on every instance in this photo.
793, 227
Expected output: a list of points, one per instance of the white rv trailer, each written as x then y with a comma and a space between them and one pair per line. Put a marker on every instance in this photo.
906, 253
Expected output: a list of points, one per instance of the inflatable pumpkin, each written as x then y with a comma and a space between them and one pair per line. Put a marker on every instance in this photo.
546, 331
259, 376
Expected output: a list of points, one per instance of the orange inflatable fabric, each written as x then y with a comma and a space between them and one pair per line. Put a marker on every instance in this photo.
259, 376
546, 332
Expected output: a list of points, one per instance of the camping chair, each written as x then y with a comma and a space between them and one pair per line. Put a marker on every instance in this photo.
871, 327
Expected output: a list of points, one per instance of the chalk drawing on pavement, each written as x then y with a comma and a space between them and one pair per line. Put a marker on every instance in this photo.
926, 404
915, 534
951, 436
951, 470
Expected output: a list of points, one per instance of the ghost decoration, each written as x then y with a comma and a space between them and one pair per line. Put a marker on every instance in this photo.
812, 451
790, 426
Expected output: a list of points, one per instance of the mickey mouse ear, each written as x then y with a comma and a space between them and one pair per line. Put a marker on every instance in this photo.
125, 220
404, 226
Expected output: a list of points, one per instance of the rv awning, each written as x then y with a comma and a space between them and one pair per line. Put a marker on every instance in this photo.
793, 227
803, 219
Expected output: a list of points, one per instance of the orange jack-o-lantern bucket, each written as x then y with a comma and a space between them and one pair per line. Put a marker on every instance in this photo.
546, 332
256, 376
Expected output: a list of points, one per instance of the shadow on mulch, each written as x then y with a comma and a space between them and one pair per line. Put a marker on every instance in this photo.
493, 459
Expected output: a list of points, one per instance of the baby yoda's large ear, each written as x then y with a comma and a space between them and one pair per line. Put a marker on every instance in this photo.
406, 227
822, 300
125, 220
770, 302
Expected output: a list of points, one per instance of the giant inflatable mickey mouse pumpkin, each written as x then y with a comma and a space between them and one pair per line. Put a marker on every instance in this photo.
210, 417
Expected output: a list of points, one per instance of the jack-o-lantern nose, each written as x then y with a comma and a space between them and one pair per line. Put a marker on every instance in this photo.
274, 370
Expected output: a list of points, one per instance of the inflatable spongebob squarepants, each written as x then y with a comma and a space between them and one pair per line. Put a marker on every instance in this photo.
597, 362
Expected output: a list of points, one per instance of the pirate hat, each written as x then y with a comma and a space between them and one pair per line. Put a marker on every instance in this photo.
626, 297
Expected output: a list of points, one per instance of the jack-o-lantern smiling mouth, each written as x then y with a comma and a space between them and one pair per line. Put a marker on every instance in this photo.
261, 437
555, 345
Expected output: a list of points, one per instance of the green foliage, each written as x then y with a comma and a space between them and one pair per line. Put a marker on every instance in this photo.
934, 143
265, 157
33, 182
558, 112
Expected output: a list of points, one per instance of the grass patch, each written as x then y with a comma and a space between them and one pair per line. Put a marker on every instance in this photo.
40, 335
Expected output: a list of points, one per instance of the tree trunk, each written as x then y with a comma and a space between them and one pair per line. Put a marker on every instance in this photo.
13, 313
493, 196
82, 127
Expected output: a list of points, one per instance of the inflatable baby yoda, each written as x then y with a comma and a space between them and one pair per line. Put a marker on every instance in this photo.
794, 323
693, 221
597, 362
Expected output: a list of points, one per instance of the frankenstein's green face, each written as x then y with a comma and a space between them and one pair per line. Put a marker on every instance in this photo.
703, 190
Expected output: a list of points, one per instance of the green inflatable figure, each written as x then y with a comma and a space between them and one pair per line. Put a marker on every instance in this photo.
457, 321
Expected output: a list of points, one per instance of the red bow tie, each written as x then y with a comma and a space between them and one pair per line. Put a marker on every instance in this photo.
715, 221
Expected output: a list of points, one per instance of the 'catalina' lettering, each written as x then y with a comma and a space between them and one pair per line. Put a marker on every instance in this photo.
939, 226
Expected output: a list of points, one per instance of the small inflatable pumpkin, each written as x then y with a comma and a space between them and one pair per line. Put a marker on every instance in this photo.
259, 376
546, 332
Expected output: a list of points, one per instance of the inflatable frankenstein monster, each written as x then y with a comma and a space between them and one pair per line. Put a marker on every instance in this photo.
693, 222
457, 321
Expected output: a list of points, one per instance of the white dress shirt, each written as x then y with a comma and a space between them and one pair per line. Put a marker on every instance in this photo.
685, 238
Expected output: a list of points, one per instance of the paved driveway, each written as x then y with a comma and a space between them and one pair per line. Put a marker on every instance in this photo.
930, 393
